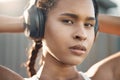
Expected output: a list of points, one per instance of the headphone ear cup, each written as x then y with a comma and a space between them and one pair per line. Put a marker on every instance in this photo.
41, 22
35, 23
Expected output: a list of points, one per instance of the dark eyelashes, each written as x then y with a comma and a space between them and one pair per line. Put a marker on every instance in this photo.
71, 22
89, 24
66, 21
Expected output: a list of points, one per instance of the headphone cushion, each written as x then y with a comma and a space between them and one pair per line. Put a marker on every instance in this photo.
35, 23
41, 22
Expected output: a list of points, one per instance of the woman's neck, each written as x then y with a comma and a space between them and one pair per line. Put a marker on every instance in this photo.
52, 69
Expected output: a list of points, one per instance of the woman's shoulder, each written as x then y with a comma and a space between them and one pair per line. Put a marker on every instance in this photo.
8, 74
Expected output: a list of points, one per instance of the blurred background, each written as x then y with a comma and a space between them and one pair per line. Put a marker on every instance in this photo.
13, 47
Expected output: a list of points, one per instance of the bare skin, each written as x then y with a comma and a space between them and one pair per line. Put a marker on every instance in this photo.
109, 24
7, 74
11, 24
106, 69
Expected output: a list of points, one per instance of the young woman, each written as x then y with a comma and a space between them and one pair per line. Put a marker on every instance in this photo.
68, 37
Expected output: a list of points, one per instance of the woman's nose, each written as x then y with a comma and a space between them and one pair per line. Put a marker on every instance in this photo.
80, 35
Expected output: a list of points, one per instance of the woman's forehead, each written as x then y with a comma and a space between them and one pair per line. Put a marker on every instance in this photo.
74, 6
72, 3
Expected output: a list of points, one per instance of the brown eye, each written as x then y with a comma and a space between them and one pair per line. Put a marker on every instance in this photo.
67, 21
88, 25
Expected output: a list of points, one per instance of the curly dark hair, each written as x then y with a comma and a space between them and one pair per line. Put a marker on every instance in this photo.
46, 5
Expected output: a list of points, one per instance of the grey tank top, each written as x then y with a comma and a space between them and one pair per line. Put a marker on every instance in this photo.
35, 77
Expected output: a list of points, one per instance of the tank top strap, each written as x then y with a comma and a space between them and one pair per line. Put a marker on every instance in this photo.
35, 77
85, 77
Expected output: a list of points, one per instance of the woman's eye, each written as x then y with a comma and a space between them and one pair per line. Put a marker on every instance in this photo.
67, 21
89, 25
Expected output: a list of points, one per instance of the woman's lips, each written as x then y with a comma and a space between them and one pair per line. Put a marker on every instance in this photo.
78, 49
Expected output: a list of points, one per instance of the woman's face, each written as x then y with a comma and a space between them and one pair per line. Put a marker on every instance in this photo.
69, 31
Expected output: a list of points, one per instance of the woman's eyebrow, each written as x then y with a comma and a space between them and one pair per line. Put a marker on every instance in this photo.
76, 16
70, 15
90, 19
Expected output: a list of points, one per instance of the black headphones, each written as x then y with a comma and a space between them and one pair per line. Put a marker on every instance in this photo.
35, 24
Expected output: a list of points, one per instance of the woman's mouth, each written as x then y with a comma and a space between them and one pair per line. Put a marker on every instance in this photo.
78, 49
